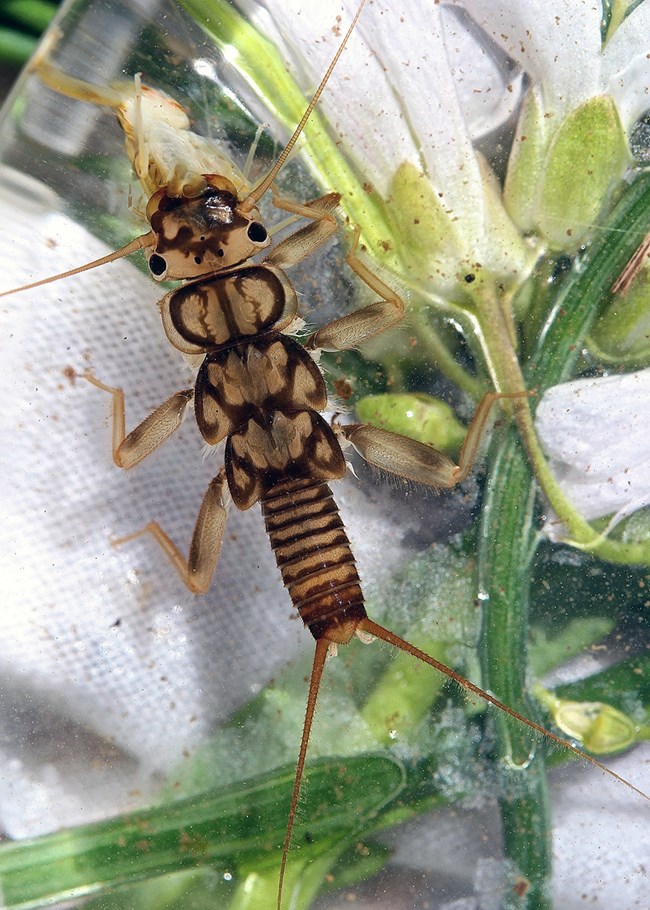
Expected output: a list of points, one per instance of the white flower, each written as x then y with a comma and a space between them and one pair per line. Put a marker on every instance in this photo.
559, 44
420, 82
585, 94
595, 434
399, 99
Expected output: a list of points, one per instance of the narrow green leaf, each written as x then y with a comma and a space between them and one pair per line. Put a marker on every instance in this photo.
230, 831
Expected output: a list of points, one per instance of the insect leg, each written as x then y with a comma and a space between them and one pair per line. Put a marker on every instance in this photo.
418, 461
304, 242
67, 85
475, 430
349, 331
634, 265
197, 570
129, 450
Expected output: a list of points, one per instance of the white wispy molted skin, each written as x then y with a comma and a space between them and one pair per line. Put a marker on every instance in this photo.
594, 432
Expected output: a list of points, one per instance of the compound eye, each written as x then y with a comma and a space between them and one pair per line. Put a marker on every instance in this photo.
158, 266
257, 232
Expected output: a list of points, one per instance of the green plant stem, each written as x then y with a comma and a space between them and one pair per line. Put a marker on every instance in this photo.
582, 298
30, 15
440, 355
507, 535
527, 837
505, 545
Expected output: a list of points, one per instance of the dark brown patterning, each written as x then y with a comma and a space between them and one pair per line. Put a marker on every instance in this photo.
262, 396
314, 556
261, 392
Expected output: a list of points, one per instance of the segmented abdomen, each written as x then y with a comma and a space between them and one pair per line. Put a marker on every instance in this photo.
261, 391
314, 556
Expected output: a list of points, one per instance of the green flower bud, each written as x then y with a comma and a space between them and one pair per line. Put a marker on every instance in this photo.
422, 224
417, 416
558, 188
587, 157
456, 248
526, 164
621, 336
601, 728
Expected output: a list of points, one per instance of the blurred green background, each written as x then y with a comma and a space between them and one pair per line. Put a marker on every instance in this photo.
21, 23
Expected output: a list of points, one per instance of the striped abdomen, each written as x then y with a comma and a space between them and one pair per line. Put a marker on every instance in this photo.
313, 553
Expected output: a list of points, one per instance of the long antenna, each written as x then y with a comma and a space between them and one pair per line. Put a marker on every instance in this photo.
316, 673
255, 195
367, 625
140, 243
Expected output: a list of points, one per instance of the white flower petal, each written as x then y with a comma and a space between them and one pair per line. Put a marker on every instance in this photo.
422, 81
394, 99
626, 65
489, 86
359, 102
557, 42
488, 89
594, 431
